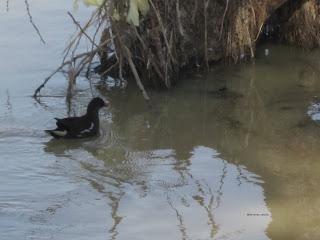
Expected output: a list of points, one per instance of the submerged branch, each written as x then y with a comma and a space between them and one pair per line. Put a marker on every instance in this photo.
82, 55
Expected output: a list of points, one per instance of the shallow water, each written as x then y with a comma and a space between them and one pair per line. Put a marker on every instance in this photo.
201, 164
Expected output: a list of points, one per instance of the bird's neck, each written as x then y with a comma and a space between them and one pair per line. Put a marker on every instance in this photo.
92, 114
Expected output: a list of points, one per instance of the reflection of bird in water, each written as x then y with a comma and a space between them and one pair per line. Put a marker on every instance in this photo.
224, 93
307, 78
80, 127
59, 149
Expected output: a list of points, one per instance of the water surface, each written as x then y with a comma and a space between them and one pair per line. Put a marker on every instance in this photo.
201, 164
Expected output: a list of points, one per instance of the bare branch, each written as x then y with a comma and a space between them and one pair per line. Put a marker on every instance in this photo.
82, 30
31, 20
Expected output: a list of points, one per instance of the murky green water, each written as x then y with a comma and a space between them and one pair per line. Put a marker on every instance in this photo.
202, 164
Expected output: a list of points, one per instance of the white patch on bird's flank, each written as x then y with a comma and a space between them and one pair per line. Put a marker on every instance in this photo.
88, 130
60, 133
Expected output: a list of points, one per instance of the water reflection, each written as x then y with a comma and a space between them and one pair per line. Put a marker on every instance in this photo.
227, 155
215, 158
7, 5
257, 123
193, 186
196, 203
8, 102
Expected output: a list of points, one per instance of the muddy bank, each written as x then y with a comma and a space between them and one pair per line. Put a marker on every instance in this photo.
174, 35
153, 41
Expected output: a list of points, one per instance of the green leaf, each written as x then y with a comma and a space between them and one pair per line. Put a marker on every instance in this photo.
135, 7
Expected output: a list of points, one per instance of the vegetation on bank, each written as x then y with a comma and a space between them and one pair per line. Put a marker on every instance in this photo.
152, 41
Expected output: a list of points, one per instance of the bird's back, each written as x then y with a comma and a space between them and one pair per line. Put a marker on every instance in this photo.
74, 125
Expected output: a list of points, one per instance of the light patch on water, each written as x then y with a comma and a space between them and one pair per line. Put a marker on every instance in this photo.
314, 111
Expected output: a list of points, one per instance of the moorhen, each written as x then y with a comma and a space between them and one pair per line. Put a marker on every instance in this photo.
80, 127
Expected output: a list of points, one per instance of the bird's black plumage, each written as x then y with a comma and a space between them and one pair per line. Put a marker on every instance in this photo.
80, 127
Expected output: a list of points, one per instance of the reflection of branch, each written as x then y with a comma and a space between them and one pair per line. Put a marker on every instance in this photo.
252, 81
31, 21
223, 176
243, 177
114, 214
309, 64
181, 225
214, 227
205, 14
200, 199
7, 6
247, 137
205, 198
239, 176
42, 104
8, 104
115, 198
205, 107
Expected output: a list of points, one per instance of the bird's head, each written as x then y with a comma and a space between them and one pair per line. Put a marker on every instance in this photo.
97, 103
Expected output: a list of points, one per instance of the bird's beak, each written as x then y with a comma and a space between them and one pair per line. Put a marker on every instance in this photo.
106, 103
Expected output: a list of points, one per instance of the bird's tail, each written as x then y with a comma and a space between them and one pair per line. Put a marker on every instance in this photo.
57, 133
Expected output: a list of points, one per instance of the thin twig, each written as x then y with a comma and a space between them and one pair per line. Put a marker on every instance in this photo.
258, 34
37, 91
180, 27
223, 17
109, 69
206, 5
32, 23
73, 59
163, 31
92, 47
75, 39
82, 30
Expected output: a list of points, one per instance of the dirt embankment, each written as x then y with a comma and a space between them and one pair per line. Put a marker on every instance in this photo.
154, 40
175, 34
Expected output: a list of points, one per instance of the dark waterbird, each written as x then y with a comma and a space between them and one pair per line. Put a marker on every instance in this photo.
80, 127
